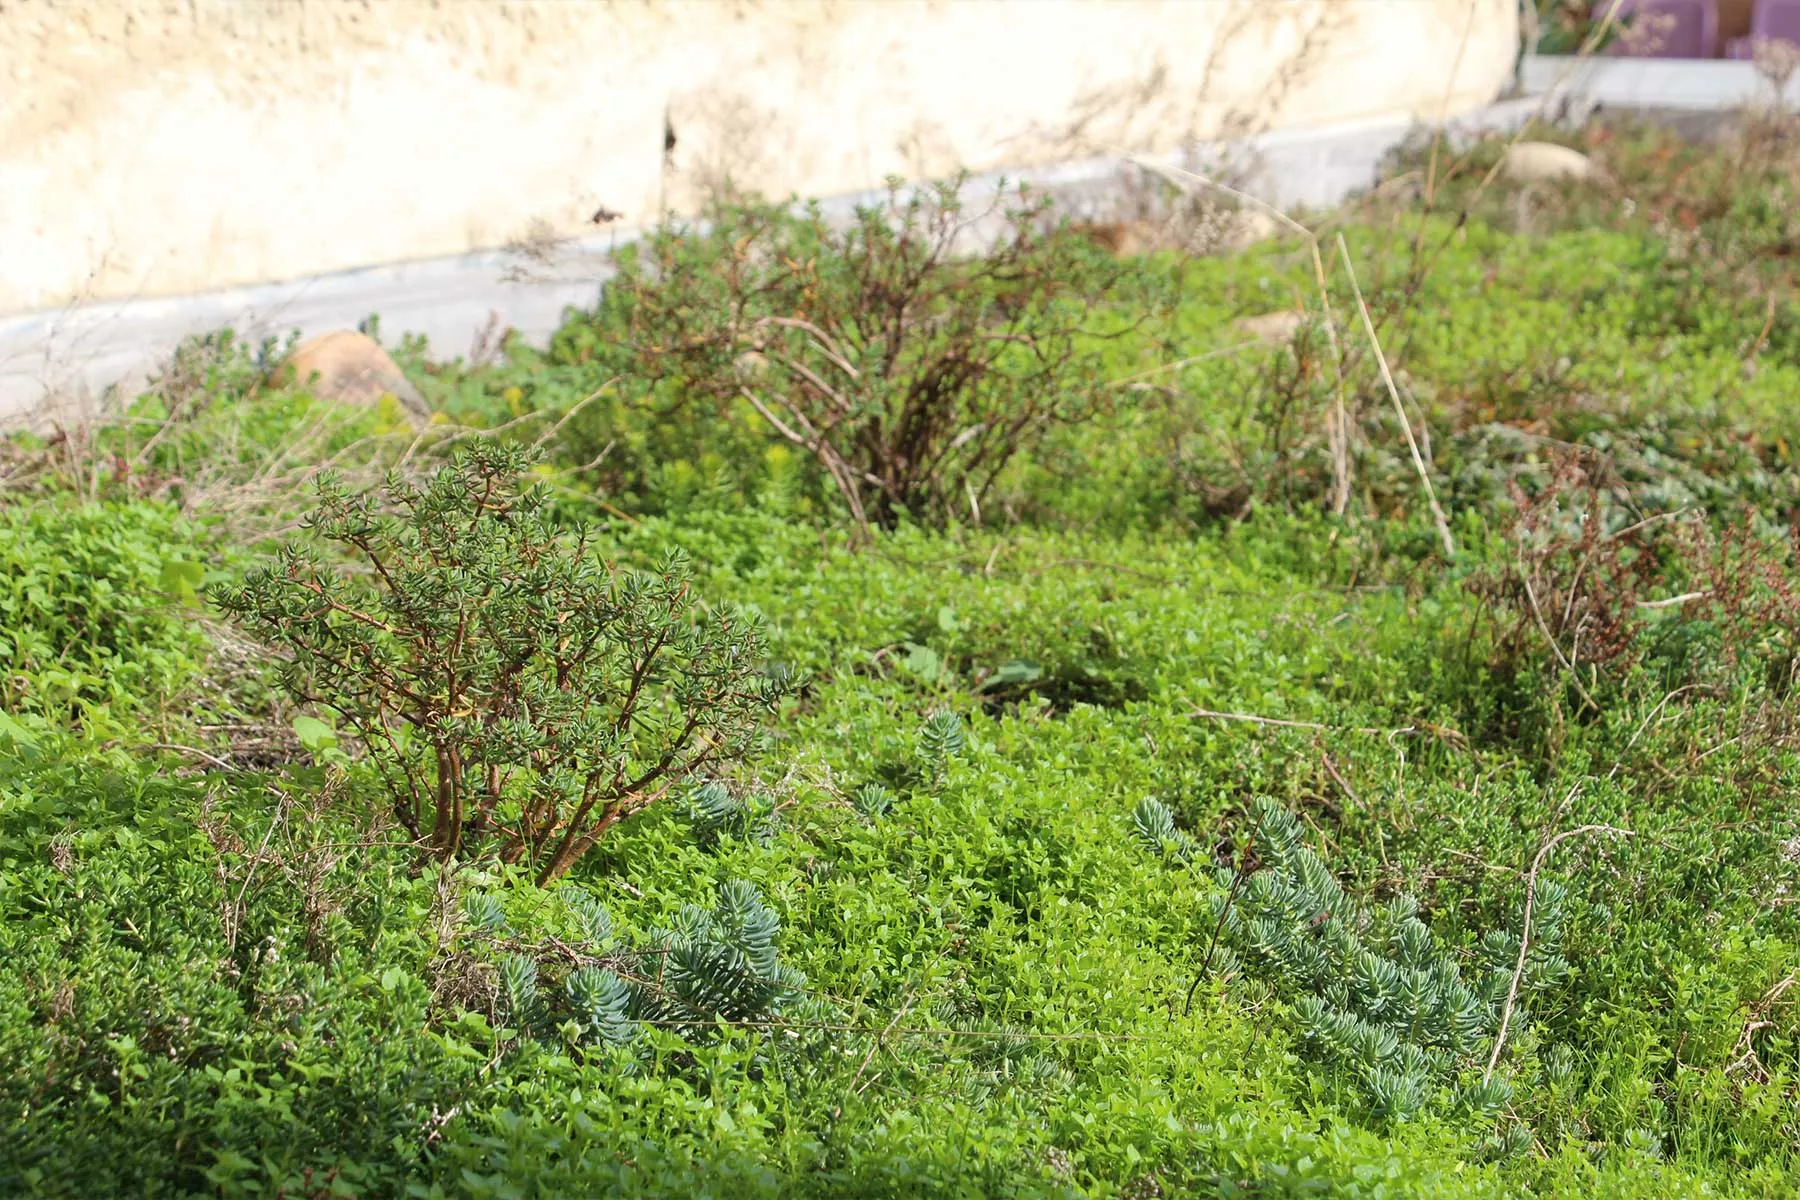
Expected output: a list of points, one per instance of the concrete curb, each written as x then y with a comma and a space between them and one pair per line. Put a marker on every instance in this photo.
65, 363
1648, 83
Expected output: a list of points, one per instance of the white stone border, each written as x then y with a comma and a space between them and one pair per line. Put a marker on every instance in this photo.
1695, 85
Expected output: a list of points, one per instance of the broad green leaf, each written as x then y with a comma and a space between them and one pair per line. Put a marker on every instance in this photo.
183, 578
315, 734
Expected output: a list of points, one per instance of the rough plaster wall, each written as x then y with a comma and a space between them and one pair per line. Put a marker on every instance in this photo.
919, 89
161, 146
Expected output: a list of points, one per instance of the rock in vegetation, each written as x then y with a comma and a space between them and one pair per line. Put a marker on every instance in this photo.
1543, 162
1246, 228
1217, 232
352, 368
1121, 238
1273, 326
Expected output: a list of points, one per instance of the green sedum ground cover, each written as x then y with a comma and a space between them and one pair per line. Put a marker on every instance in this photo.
1160, 833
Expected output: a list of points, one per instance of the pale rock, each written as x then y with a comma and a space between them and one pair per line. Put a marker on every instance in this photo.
352, 368
1272, 327
1124, 239
1543, 162
1248, 226
1221, 233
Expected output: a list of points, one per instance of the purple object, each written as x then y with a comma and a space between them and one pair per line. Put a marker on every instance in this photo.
1688, 28
1772, 20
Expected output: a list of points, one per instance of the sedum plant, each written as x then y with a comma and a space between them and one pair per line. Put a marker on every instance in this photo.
515, 691
1373, 990
708, 966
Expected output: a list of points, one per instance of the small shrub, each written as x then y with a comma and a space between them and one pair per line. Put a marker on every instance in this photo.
1157, 832
873, 801
1745, 586
511, 688
1571, 590
941, 740
912, 375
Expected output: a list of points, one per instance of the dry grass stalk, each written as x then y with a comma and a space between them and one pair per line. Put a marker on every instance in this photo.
1512, 990
1338, 427
1338, 424
1759, 1017
1387, 378
1449, 737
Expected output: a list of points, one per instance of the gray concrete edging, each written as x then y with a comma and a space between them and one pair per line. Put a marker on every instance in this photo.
1694, 85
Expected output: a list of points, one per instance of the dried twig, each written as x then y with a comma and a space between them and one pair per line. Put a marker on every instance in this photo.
1437, 141
1645, 723
1339, 424
1448, 735
1512, 988
203, 755
1755, 1020
1237, 882
573, 409
875, 1045
1762, 339
235, 914
1181, 178
1338, 778
1340, 419
1555, 646
1182, 363
1585, 51
906, 1003
1019, 1035
1672, 601
1387, 377
841, 473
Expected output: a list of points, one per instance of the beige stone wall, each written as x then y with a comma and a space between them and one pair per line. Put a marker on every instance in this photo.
162, 146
